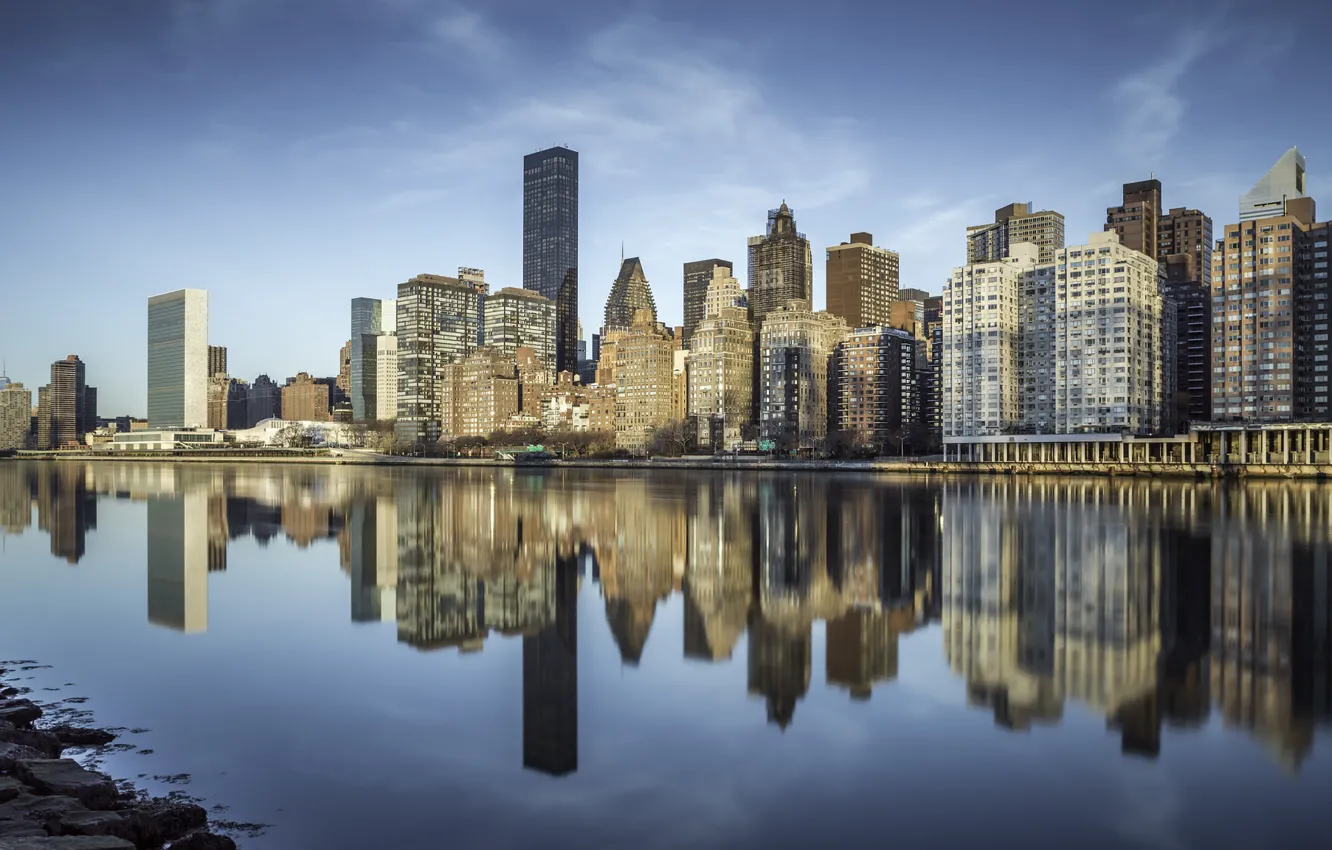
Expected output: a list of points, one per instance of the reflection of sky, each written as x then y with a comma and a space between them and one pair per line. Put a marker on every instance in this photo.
287, 711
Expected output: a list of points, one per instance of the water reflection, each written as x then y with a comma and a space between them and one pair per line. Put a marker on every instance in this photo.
1155, 605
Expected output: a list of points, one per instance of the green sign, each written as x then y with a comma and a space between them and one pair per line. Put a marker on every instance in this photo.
767, 445
536, 448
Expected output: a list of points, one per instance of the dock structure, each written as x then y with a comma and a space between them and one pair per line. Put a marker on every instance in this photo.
1293, 449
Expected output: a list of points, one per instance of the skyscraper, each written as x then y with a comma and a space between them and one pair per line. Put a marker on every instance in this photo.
521, 318
879, 380
344, 369
1014, 224
1270, 289
721, 364
440, 320
217, 360
1138, 219
15, 414
795, 355
629, 294
71, 406
780, 266
374, 327
178, 359
550, 242
644, 368
698, 276
862, 281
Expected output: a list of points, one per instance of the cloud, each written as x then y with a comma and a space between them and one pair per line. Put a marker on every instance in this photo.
1149, 100
462, 28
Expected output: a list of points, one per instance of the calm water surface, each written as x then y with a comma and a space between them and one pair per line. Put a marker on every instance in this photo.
500, 658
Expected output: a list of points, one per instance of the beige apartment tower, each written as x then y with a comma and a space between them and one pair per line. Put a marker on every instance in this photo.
796, 348
303, 400
478, 394
644, 372
1013, 225
862, 281
15, 415
721, 364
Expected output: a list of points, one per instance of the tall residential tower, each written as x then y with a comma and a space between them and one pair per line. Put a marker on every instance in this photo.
780, 267
550, 242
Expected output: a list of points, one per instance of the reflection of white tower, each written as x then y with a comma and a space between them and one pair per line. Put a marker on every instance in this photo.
178, 561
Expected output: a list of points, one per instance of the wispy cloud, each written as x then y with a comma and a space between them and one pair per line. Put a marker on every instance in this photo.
461, 28
1150, 101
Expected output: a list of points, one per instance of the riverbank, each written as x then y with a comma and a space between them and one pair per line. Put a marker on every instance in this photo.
1112, 469
48, 800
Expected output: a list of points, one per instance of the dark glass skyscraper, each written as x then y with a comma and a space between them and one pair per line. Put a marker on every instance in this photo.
550, 242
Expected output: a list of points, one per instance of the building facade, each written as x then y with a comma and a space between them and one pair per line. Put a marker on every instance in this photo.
344, 369
721, 364
372, 321
862, 281
217, 360
933, 397
698, 276
880, 376
644, 369
1013, 225
440, 321
1137, 220
15, 415
479, 393
263, 400
781, 269
629, 294
219, 401
178, 359
550, 242
521, 318
304, 399
796, 348
70, 409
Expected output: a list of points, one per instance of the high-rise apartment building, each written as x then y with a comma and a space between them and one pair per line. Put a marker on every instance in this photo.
521, 318
374, 357
219, 400
1137, 220
263, 400
781, 269
550, 242
862, 281
721, 364
1013, 225
796, 346
71, 406
629, 294
981, 329
932, 401
1270, 291
15, 415
304, 399
698, 276
1072, 346
178, 359
238, 404
1190, 398
1184, 245
440, 320
344, 369
478, 394
644, 371
534, 378
217, 360
880, 375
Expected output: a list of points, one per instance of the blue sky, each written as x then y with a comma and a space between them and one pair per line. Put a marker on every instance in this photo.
289, 155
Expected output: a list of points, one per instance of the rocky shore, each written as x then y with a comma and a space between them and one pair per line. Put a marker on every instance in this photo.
48, 801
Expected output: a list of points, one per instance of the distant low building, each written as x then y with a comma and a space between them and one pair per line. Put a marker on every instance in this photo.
304, 399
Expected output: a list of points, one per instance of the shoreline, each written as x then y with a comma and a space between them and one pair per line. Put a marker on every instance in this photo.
1319, 471
50, 800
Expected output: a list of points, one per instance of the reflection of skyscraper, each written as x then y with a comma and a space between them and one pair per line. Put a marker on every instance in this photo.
178, 561
65, 509
550, 682
373, 533
779, 664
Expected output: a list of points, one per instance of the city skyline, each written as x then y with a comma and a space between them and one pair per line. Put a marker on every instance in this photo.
385, 217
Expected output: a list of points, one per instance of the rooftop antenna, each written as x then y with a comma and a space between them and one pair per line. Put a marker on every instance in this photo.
621, 252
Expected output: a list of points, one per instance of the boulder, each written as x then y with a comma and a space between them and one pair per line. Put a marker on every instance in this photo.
73, 736
10, 788
69, 842
68, 778
12, 754
161, 819
204, 841
20, 712
41, 741
28, 811
95, 823
18, 829
5, 693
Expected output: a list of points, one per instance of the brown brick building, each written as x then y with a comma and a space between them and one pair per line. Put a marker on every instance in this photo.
862, 281
304, 400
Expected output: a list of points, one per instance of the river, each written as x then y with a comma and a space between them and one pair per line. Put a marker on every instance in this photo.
504, 658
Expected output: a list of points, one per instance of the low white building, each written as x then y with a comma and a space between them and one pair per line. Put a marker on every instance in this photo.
276, 432
161, 440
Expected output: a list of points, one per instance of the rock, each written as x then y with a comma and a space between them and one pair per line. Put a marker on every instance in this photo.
204, 841
5, 693
10, 788
101, 842
12, 754
73, 736
18, 829
20, 712
28, 812
95, 823
43, 742
162, 819
68, 778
